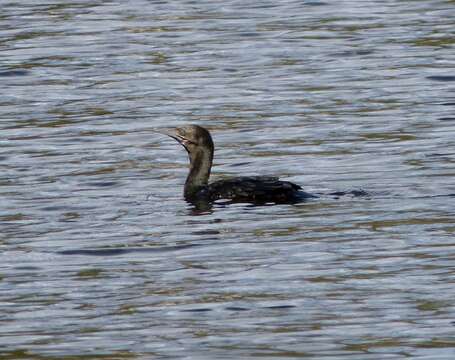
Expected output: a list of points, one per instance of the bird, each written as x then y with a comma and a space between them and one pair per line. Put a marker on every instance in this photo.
198, 143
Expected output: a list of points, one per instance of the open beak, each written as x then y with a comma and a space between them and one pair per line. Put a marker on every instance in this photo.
169, 132
173, 134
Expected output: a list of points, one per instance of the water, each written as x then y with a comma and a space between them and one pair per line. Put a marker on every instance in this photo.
102, 258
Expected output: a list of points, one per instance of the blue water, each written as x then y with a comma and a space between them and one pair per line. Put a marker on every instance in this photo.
100, 256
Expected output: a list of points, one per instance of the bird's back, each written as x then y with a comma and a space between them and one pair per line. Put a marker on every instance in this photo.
255, 189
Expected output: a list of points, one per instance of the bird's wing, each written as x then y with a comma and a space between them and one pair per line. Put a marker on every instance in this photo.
260, 188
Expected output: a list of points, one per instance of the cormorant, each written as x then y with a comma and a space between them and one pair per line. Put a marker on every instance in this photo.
198, 142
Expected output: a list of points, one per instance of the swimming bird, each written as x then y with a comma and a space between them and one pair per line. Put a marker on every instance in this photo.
198, 142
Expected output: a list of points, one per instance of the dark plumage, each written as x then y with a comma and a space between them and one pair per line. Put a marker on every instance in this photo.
254, 189
258, 189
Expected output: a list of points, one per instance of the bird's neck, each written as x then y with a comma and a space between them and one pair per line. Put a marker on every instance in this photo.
200, 165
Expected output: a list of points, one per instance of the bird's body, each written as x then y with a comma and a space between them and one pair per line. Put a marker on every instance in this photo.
255, 189
252, 189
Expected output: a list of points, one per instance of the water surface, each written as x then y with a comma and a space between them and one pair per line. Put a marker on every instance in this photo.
102, 258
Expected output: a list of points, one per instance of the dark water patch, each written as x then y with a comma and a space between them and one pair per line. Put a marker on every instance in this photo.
158, 29
353, 53
236, 308
436, 42
101, 184
61, 58
14, 217
198, 310
206, 232
447, 118
27, 268
51, 82
26, 354
432, 306
54, 208
315, 3
70, 217
30, 35
13, 73
280, 307
390, 136
100, 171
62, 122
437, 196
441, 77
365, 346
122, 251
436, 343
353, 193
90, 273
440, 154
249, 34
381, 224
239, 164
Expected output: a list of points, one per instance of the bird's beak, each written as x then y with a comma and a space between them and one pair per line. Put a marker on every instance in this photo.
173, 134
168, 132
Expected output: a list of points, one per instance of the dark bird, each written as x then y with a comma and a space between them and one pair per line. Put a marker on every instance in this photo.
198, 142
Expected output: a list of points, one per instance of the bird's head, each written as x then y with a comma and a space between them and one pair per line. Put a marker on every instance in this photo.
191, 137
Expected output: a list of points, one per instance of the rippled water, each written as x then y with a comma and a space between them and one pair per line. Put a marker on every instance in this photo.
102, 258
